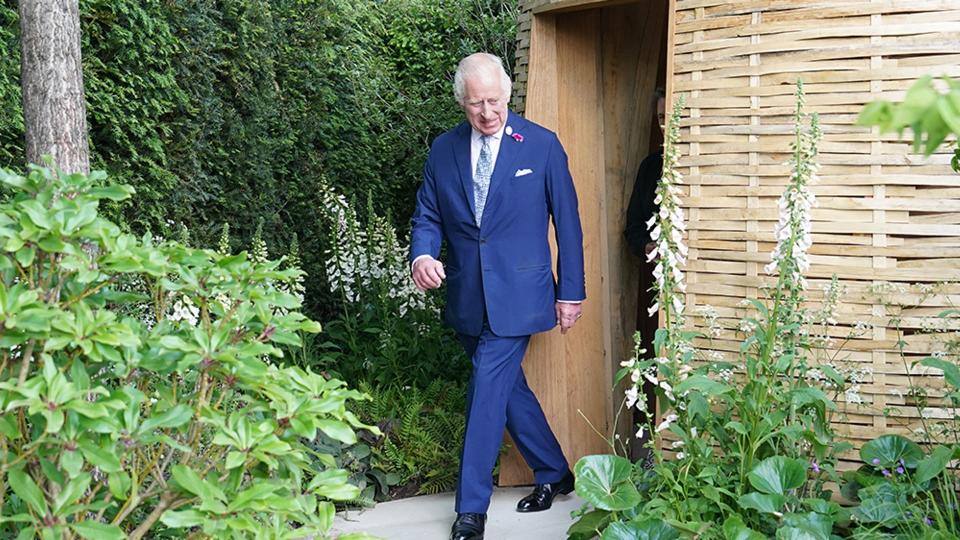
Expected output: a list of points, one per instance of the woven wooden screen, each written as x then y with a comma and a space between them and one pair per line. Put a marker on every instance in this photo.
887, 217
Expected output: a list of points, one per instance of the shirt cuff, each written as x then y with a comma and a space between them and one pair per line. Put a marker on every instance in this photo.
570, 301
417, 258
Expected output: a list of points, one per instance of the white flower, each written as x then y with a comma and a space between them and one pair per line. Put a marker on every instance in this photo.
681, 455
676, 444
641, 432
669, 419
632, 396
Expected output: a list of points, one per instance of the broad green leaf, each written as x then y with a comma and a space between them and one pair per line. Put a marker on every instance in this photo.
8, 427
810, 395
25, 488
182, 519
950, 370
191, 482
931, 466
703, 384
649, 529
880, 503
176, 416
888, 450
100, 457
735, 529
606, 482
71, 493
337, 430
119, 484
338, 492
778, 475
587, 526
768, 503
92, 530
807, 525
71, 461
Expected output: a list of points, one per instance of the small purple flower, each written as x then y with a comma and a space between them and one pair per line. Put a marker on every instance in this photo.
901, 470
885, 472
927, 520
902, 462
875, 461
814, 466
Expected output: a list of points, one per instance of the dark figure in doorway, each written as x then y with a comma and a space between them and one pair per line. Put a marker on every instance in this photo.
642, 208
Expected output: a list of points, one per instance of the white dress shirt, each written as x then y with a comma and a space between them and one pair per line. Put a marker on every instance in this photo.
476, 142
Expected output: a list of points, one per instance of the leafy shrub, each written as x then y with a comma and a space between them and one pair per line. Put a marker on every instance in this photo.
113, 425
387, 332
751, 452
422, 434
231, 111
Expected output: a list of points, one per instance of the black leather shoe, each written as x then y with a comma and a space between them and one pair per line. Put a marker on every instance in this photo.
468, 526
543, 494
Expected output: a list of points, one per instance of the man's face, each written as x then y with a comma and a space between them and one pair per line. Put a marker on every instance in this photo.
484, 102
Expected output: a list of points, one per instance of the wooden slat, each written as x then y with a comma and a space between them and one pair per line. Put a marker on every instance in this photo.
884, 214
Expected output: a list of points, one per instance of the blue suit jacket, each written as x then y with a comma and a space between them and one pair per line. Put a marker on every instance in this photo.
504, 265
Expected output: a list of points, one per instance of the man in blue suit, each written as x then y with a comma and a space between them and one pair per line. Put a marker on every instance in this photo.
490, 187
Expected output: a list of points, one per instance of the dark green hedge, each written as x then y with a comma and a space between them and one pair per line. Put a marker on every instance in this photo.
229, 111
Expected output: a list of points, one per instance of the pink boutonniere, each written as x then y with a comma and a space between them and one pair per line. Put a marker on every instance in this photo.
517, 137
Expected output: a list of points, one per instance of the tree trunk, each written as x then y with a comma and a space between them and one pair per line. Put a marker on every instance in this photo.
54, 111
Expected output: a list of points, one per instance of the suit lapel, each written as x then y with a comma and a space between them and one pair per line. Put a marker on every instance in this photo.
461, 154
509, 151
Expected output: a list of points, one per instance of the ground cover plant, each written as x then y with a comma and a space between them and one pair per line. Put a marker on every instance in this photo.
142, 383
745, 449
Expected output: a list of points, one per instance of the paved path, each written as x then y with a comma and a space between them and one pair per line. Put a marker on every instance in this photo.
430, 517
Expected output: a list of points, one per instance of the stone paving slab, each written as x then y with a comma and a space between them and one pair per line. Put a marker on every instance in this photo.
430, 517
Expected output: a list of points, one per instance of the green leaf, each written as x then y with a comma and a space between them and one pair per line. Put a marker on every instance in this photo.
182, 519
71, 493
649, 529
336, 430
605, 481
703, 384
100, 457
176, 416
114, 192
809, 525
934, 464
119, 484
735, 529
71, 461
888, 450
338, 492
93, 530
587, 526
191, 482
767, 503
25, 488
810, 395
8, 427
950, 370
778, 475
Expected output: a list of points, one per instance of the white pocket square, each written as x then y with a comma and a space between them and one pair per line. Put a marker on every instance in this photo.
523, 172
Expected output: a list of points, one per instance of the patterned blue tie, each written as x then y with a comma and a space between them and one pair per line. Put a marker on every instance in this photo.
481, 178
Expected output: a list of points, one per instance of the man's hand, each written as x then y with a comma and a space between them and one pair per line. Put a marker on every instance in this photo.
567, 315
428, 273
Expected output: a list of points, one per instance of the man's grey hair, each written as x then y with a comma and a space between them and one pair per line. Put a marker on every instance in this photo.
474, 64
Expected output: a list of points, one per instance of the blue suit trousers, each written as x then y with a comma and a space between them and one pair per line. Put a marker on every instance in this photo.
498, 397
